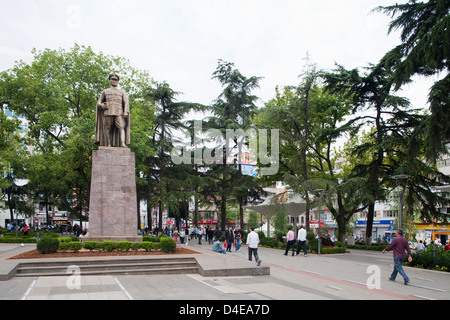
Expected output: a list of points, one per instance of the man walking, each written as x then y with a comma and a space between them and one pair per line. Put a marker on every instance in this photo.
301, 238
290, 241
399, 245
252, 245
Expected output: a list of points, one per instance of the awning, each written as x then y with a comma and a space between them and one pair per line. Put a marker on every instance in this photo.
293, 204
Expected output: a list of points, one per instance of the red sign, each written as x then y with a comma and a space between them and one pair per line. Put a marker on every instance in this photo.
322, 222
208, 221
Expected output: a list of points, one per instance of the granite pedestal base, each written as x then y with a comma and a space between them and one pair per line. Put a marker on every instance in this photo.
113, 202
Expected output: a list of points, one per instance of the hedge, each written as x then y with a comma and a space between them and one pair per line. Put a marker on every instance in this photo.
374, 247
312, 245
70, 246
51, 244
17, 240
433, 258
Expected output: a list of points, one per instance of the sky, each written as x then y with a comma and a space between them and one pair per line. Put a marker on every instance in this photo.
181, 41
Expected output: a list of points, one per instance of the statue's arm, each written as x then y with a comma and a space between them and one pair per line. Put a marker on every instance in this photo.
101, 103
126, 104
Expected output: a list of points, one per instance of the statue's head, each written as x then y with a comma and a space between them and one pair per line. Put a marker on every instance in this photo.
114, 79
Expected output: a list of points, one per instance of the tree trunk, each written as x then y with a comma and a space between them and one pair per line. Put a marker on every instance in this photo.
369, 227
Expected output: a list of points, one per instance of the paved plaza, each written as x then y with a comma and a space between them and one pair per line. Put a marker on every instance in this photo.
358, 275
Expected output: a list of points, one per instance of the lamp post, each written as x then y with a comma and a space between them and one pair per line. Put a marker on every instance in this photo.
400, 178
320, 193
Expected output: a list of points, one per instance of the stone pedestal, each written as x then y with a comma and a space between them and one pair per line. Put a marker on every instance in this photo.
113, 201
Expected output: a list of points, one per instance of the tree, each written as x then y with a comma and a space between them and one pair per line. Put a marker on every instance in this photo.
168, 185
232, 110
57, 94
308, 162
253, 220
424, 51
371, 92
388, 146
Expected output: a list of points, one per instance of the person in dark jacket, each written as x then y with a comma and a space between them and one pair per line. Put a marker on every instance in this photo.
229, 236
399, 245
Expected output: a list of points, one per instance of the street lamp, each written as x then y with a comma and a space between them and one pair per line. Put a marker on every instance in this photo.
400, 178
320, 192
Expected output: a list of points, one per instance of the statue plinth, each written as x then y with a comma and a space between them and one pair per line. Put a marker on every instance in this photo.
113, 199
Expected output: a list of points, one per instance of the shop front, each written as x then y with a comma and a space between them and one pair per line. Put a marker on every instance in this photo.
379, 228
432, 231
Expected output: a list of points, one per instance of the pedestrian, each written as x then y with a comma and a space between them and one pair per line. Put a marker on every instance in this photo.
210, 235
420, 246
200, 234
217, 233
187, 236
252, 245
290, 237
25, 229
182, 235
301, 238
229, 236
190, 233
238, 238
196, 232
217, 246
399, 245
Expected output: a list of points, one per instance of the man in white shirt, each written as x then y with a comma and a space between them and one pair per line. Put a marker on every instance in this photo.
252, 245
301, 238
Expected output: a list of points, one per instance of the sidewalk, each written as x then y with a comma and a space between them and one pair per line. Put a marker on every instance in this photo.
324, 277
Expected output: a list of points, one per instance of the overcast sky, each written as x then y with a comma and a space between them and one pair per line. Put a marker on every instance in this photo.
180, 41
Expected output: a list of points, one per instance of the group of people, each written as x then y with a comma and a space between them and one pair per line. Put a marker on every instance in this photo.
231, 237
301, 239
22, 227
236, 235
215, 237
193, 233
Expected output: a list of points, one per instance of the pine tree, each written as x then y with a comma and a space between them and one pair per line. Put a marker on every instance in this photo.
425, 51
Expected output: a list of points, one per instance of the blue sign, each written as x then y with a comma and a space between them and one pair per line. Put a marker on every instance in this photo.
248, 170
376, 222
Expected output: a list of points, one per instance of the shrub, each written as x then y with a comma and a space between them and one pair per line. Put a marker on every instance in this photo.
92, 245
147, 246
47, 245
109, 246
310, 236
270, 242
8, 239
73, 246
167, 245
279, 235
374, 247
261, 235
334, 250
434, 258
313, 245
124, 245
135, 246
150, 239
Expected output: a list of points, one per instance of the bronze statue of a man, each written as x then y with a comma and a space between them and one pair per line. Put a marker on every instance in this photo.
112, 120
